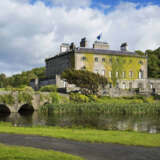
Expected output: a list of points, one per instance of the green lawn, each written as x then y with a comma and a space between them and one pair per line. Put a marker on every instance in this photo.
27, 153
87, 135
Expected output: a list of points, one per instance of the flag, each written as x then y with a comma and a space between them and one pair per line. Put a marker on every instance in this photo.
99, 36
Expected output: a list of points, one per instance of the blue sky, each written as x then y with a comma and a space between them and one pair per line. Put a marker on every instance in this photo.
31, 32
111, 3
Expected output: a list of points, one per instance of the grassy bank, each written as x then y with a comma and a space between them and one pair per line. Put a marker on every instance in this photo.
27, 153
87, 135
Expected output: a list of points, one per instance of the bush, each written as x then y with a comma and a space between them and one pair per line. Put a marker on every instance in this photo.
77, 97
56, 98
48, 88
92, 98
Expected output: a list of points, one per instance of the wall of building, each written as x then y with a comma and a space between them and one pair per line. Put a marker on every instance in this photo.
56, 65
111, 65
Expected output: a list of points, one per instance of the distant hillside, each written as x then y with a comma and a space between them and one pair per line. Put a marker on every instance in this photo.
21, 79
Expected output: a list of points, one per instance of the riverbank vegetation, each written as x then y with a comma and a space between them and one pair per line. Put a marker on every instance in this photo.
87, 135
28, 153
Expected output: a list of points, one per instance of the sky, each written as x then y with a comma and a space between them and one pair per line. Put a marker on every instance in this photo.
32, 30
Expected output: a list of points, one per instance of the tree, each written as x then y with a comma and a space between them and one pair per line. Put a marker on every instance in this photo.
3, 80
88, 82
153, 63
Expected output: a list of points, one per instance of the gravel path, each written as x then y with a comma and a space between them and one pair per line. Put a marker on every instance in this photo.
90, 151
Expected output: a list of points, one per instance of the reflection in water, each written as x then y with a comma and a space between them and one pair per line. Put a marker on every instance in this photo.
106, 122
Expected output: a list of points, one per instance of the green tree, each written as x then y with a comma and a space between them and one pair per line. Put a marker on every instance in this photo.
88, 82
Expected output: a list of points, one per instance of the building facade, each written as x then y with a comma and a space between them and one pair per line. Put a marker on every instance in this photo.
121, 68
126, 71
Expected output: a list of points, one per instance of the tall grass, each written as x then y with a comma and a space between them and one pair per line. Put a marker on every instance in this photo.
114, 108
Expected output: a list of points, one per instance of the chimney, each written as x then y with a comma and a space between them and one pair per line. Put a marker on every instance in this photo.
64, 47
124, 46
100, 45
83, 42
72, 46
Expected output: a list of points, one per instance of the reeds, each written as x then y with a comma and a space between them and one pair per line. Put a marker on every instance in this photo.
114, 108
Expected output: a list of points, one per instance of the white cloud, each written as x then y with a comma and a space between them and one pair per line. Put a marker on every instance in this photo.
31, 33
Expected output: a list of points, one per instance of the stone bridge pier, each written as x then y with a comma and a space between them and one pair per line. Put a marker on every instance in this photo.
14, 101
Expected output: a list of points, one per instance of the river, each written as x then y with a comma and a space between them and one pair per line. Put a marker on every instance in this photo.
150, 124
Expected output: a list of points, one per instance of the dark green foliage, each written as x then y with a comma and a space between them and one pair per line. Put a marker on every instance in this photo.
48, 88
7, 99
153, 63
140, 53
88, 82
24, 97
21, 79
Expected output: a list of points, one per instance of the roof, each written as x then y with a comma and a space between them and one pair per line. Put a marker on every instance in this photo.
98, 51
108, 52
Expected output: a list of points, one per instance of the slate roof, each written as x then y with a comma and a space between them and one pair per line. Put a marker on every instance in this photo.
98, 51
109, 52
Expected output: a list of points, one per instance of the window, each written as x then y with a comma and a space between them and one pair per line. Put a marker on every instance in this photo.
140, 85
83, 58
110, 60
103, 72
110, 74
151, 85
140, 62
123, 74
131, 74
117, 85
117, 74
103, 59
130, 85
110, 85
96, 59
140, 75
124, 85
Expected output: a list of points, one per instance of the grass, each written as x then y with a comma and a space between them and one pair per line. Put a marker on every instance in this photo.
28, 153
87, 135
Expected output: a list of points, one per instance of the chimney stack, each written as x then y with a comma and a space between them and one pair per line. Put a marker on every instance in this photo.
124, 46
100, 45
72, 46
64, 47
83, 42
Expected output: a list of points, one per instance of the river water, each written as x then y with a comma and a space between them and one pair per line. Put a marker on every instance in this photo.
150, 124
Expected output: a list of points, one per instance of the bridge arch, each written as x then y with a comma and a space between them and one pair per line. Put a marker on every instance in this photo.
26, 108
4, 109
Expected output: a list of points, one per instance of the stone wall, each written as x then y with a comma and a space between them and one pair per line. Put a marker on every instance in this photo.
57, 64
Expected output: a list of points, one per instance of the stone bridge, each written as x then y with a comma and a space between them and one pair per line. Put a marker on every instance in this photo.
14, 101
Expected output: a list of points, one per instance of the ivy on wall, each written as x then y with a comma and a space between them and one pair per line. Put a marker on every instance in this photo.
24, 97
116, 63
7, 99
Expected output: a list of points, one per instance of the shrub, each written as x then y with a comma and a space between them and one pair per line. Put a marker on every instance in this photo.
48, 88
7, 99
77, 97
88, 82
56, 98
92, 98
